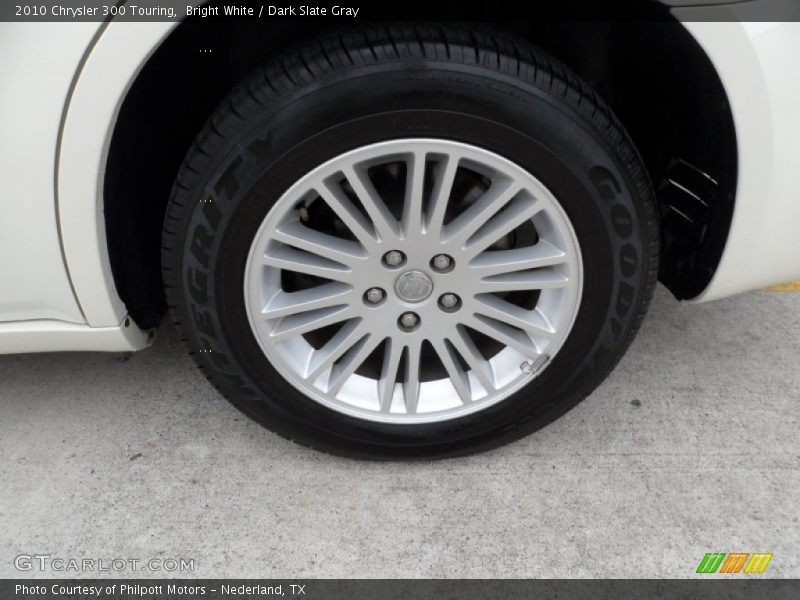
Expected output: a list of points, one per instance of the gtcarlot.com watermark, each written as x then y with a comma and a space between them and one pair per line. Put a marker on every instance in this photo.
59, 564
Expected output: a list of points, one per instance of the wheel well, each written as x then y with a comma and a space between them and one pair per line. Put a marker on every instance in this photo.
655, 76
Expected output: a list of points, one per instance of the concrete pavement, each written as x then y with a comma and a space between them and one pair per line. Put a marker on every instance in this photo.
691, 446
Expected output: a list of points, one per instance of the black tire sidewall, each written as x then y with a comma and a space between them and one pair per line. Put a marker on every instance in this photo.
268, 150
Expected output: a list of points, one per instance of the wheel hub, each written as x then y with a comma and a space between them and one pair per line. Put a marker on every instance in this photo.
413, 286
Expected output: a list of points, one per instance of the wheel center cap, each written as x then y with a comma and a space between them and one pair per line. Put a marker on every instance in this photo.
413, 286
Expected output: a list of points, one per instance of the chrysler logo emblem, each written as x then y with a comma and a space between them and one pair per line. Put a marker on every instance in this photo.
413, 286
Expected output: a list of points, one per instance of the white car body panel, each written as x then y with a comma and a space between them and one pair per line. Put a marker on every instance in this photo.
46, 305
36, 71
757, 63
109, 70
47, 335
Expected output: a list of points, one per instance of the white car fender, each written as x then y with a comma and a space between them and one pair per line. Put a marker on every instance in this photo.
110, 68
757, 64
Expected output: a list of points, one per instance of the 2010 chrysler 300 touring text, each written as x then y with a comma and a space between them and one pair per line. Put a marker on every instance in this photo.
390, 241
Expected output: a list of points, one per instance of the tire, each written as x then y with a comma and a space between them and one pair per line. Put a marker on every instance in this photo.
486, 91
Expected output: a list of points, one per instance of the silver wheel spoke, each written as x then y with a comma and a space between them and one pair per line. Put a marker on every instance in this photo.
460, 229
385, 224
411, 281
505, 334
538, 279
479, 366
412, 204
299, 261
352, 218
283, 304
352, 360
411, 382
543, 254
519, 210
343, 251
388, 378
312, 320
440, 196
498, 309
351, 333
458, 376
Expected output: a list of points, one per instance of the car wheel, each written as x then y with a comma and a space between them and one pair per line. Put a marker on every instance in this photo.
410, 242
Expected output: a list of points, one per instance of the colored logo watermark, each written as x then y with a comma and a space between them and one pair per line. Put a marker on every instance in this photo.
734, 562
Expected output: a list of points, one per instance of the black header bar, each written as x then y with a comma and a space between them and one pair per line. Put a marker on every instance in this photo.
352, 11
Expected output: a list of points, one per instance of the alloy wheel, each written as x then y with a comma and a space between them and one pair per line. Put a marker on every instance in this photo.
413, 281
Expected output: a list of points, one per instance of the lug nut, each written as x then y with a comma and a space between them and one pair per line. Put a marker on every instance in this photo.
394, 258
448, 301
374, 295
409, 320
441, 262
